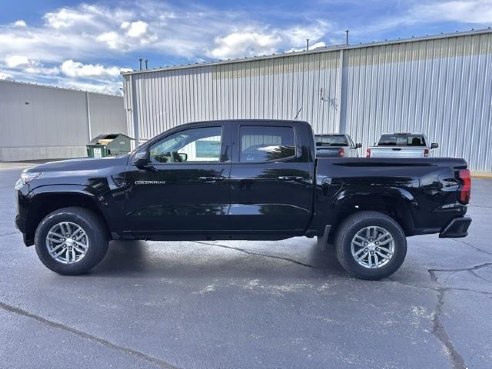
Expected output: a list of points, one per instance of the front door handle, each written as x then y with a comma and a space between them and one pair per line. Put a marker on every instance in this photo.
212, 179
290, 178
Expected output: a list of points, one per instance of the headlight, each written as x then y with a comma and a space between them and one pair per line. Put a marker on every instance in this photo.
25, 178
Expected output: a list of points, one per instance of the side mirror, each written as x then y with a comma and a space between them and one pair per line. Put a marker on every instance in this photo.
358, 145
141, 159
182, 156
434, 145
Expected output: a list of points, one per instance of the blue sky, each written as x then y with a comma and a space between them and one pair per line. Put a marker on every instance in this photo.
87, 44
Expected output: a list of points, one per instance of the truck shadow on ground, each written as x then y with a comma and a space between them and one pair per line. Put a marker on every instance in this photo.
168, 259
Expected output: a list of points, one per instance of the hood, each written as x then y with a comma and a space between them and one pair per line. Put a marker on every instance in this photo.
80, 164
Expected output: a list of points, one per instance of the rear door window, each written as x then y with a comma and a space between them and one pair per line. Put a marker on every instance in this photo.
263, 143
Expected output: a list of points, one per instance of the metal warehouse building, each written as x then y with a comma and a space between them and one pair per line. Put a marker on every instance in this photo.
438, 85
41, 122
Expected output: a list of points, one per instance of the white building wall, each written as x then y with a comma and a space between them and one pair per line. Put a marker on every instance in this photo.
39, 122
441, 86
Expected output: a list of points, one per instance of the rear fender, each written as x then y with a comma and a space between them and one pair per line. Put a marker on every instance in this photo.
396, 202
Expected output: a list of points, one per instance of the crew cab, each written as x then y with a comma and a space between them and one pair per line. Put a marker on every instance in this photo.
240, 180
401, 145
336, 144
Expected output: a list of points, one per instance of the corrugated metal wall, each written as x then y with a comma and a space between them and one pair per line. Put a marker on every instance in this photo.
439, 86
41, 122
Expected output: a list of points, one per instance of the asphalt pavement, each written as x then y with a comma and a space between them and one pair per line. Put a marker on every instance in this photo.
244, 304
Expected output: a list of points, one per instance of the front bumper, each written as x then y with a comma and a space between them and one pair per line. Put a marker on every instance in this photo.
457, 228
21, 224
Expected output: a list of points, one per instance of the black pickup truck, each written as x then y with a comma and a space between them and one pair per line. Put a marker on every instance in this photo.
241, 179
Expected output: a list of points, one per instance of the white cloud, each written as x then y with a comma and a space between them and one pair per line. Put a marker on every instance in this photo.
434, 12
67, 17
15, 61
112, 39
5, 76
20, 23
462, 11
251, 41
297, 35
76, 69
135, 29
245, 43
27, 65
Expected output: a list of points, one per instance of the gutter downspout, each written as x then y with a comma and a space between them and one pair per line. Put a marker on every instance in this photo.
88, 109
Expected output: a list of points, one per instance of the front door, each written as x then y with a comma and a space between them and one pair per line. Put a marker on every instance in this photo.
186, 187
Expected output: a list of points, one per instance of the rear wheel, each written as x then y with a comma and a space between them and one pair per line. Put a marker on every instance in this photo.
370, 245
71, 241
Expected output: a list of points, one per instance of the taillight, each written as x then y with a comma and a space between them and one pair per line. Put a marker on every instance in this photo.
368, 153
465, 190
426, 153
341, 152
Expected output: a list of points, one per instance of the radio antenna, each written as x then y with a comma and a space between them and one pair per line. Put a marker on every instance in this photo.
295, 118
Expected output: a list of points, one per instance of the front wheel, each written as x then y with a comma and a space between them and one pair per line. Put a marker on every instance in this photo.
71, 241
370, 245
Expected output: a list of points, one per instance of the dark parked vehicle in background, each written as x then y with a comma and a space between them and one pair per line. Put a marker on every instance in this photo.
336, 144
248, 180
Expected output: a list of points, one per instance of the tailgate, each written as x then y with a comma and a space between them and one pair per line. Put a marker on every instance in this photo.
327, 152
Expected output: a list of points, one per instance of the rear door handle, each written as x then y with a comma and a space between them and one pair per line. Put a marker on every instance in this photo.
212, 179
289, 178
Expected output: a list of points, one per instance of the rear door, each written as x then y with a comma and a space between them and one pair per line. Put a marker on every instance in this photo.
271, 179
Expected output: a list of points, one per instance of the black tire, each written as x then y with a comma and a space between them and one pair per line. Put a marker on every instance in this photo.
91, 225
355, 223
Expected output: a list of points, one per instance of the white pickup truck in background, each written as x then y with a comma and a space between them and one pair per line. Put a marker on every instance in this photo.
336, 144
401, 145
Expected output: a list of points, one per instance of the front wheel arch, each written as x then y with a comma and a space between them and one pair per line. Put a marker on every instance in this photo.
43, 204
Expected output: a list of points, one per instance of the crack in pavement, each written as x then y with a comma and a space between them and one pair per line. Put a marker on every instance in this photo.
438, 329
8, 234
472, 246
90, 337
258, 254
487, 293
472, 272
472, 268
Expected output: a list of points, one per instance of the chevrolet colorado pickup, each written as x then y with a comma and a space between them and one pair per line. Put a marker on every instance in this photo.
240, 179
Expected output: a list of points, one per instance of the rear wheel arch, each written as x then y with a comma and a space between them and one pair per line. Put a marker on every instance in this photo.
394, 205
